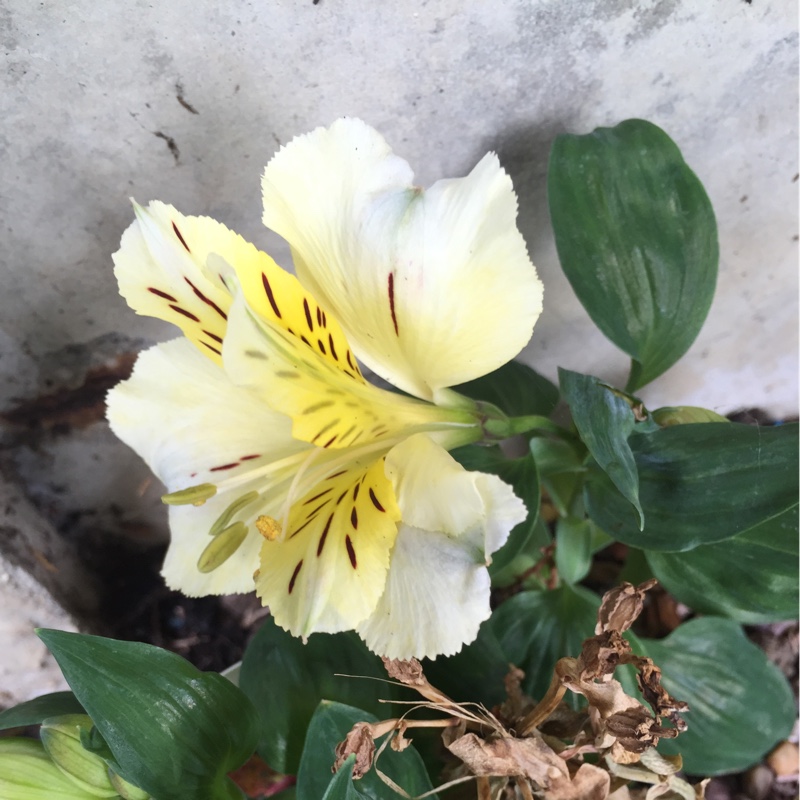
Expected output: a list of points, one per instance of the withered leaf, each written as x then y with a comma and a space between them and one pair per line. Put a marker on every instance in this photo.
408, 671
359, 742
529, 757
621, 606
602, 654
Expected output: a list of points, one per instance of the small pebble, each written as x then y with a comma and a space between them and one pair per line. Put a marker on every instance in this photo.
784, 759
758, 781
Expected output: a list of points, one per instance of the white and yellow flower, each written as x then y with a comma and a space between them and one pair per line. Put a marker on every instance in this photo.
282, 460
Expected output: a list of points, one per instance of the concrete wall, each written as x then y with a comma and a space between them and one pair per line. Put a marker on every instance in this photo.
186, 100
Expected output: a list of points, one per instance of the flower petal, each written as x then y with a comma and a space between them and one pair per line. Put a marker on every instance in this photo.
191, 425
431, 288
328, 571
179, 269
435, 599
328, 407
437, 590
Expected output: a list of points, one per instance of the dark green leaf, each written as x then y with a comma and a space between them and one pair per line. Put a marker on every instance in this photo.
174, 731
700, 484
286, 680
475, 674
34, 711
604, 421
515, 389
522, 476
740, 703
637, 239
329, 726
535, 629
752, 577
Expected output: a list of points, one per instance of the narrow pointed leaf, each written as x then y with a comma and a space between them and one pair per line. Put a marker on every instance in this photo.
637, 239
286, 679
516, 389
752, 578
604, 421
740, 704
174, 731
34, 711
329, 726
700, 484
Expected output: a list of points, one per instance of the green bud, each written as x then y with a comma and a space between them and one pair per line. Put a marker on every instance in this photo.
685, 415
126, 790
61, 737
27, 773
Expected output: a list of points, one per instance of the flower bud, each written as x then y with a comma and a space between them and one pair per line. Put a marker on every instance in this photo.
27, 773
61, 737
126, 790
685, 415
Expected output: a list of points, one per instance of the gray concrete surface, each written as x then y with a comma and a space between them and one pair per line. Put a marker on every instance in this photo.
186, 100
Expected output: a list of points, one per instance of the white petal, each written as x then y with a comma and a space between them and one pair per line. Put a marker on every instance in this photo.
435, 599
437, 590
191, 425
435, 493
431, 288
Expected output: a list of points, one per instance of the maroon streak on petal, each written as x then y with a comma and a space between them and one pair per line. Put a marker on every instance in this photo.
224, 466
375, 501
162, 294
324, 535
185, 313
270, 295
307, 311
212, 349
213, 336
391, 302
206, 300
351, 553
178, 234
354, 518
333, 348
294, 575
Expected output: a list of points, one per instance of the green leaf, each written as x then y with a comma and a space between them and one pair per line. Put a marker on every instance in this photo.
700, 484
515, 389
475, 674
174, 731
576, 541
34, 711
740, 703
521, 474
604, 421
286, 680
752, 577
342, 786
535, 629
329, 726
637, 239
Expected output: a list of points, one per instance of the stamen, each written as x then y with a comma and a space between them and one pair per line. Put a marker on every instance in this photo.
268, 527
222, 547
194, 495
231, 511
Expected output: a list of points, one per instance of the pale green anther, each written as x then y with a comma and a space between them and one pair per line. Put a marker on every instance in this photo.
127, 791
231, 511
27, 773
222, 547
61, 737
194, 495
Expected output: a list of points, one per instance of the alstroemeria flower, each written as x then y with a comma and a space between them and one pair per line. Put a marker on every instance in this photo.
340, 496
